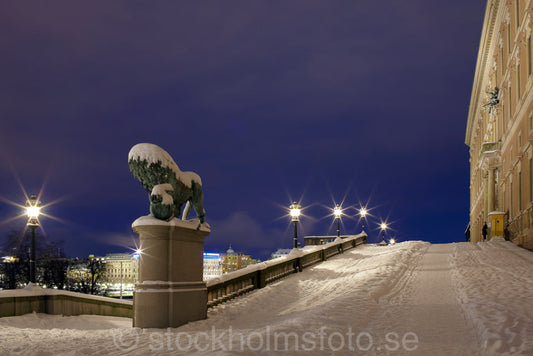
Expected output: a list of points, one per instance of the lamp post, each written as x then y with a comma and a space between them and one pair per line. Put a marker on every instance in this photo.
383, 227
33, 209
337, 212
295, 210
363, 212
121, 280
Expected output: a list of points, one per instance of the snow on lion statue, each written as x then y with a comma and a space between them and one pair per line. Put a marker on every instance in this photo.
169, 188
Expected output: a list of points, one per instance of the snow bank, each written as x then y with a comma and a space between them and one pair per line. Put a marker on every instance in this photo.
494, 281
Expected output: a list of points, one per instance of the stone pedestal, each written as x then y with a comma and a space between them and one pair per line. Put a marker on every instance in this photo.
170, 291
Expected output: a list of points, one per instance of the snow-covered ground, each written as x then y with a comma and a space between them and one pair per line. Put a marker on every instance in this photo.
411, 298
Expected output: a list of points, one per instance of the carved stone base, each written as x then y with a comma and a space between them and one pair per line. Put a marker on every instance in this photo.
170, 291
163, 305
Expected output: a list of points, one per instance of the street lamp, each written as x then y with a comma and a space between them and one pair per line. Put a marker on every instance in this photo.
33, 209
295, 210
363, 213
337, 212
383, 227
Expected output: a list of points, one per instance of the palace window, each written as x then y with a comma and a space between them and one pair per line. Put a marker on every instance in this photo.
509, 105
530, 180
518, 68
520, 191
517, 13
509, 38
502, 66
529, 55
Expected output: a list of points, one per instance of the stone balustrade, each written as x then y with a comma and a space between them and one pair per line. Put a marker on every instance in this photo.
234, 284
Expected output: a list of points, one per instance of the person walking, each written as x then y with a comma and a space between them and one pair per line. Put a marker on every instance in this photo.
484, 231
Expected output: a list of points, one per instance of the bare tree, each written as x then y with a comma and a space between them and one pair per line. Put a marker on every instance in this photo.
84, 276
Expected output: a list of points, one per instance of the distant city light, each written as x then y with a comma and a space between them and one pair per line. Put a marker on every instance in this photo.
211, 255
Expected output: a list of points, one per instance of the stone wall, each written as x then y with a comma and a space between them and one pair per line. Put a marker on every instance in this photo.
20, 302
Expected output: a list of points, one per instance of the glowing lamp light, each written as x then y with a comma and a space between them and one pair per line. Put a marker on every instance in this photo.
295, 211
392, 241
33, 212
337, 211
137, 253
33, 208
383, 226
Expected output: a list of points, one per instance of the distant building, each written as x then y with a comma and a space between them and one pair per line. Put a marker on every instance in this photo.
122, 272
212, 265
121, 268
78, 269
280, 253
232, 261
499, 130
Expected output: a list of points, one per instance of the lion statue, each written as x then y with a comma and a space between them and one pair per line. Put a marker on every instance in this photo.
168, 186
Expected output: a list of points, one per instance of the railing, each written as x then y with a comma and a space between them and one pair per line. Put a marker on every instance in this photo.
58, 302
257, 276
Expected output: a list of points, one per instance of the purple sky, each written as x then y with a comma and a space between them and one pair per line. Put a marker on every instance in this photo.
267, 101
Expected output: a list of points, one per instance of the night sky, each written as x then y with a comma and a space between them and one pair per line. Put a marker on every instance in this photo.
268, 101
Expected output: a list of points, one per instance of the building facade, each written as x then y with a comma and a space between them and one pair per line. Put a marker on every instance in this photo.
232, 261
212, 265
121, 268
500, 125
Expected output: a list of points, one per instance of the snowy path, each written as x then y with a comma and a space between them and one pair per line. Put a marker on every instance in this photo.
427, 305
412, 298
